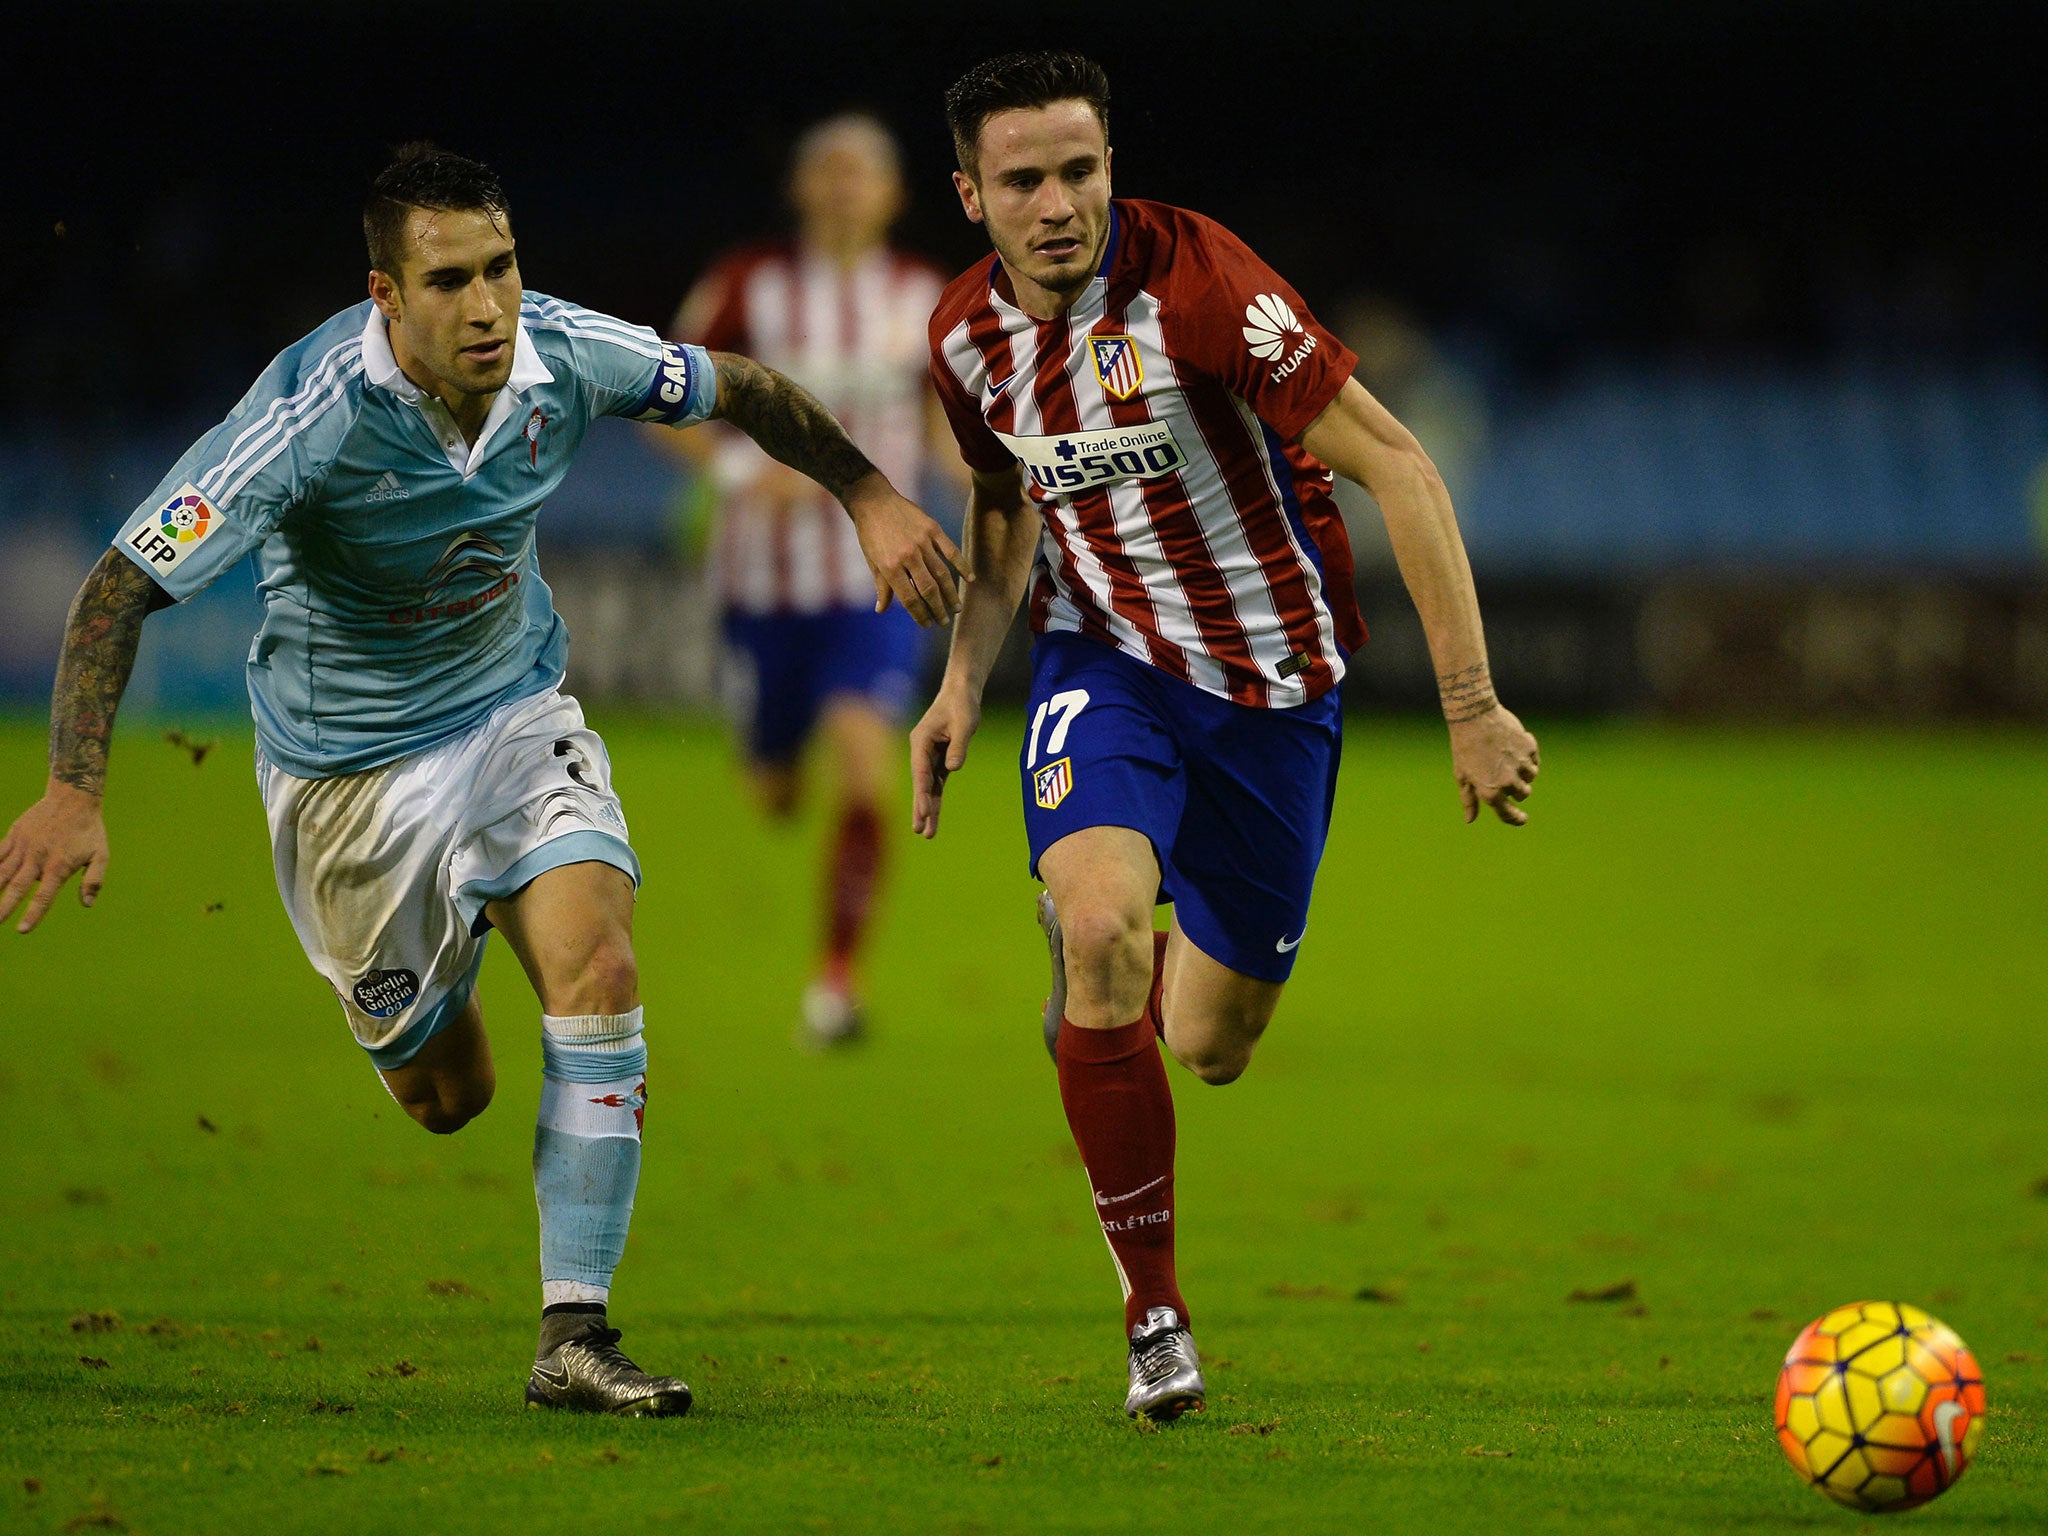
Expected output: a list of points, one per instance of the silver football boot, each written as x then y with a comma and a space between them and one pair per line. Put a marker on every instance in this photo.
1166, 1373
1056, 1000
586, 1373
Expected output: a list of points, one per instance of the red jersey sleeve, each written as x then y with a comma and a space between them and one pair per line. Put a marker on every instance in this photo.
1242, 323
959, 371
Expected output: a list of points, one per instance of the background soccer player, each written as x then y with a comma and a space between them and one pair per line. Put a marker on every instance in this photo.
425, 778
841, 312
1148, 410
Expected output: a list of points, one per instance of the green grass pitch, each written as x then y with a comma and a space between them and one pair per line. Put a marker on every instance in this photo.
1753, 1021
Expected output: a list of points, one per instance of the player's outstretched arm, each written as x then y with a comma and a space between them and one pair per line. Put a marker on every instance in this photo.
62, 833
1002, 534
912, 559
1494, 759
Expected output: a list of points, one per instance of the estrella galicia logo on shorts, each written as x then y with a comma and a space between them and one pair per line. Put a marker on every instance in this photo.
175, 529
1050, 784
384, 993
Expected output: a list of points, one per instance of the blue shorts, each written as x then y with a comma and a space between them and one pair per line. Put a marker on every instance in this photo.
786, 665
1236, 800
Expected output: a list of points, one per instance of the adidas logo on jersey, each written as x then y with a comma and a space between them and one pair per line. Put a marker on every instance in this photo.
1271, 328
387, 489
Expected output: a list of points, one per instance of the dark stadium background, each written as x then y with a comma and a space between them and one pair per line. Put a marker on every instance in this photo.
1734, 316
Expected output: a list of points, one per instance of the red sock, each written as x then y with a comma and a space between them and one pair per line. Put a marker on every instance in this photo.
850, 889
1120, 1109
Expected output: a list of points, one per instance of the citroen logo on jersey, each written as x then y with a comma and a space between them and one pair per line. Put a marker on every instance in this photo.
1118, 366
467, 554
1273, 331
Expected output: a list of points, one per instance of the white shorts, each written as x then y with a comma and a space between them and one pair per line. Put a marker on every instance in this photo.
385, 873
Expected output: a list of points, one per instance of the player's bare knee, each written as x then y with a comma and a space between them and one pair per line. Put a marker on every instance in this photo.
1105, 938
609, 978
1095, 927
1108, 956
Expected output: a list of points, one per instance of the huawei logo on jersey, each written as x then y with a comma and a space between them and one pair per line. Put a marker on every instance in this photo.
1268, 325
1272, 331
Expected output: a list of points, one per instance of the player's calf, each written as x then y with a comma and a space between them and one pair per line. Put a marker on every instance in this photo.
451, 1080
1217, 1063
1215, 1016
444, 1107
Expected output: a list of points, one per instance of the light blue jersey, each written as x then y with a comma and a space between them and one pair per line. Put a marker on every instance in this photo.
402, 598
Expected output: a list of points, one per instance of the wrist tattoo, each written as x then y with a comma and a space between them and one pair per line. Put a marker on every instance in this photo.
788, 422
100, 640
1467, 694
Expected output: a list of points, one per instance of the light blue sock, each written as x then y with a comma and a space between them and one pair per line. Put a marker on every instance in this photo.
586, 1150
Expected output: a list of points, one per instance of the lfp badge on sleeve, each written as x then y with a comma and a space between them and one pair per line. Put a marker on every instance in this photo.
175, 529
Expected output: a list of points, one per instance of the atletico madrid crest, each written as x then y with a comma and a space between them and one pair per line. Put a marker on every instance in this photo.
1050, 784
1117, 365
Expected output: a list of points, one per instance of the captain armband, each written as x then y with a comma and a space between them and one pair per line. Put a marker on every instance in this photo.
683, 387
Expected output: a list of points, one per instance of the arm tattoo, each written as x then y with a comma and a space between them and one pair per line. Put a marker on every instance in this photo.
100, 641
788, 423
1467, 694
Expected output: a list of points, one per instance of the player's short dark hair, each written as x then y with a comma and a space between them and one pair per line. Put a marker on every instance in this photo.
1020, 80
424, 175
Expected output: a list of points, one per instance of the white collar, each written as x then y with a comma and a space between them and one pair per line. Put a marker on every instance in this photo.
381, 368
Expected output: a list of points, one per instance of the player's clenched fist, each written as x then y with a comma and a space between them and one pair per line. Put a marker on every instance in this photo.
913, 561
938, 746
49, 842
1496, 762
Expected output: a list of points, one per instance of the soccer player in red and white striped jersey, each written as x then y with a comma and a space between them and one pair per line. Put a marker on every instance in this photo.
843, 311
1152, 417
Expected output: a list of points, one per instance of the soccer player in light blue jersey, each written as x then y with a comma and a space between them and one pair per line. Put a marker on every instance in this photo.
425, 778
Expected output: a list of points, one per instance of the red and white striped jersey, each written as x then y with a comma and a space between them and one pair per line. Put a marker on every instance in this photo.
855, 339
1157, 423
